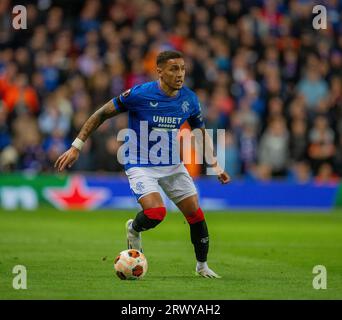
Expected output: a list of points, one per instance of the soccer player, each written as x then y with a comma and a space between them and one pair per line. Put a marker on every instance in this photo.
164, 105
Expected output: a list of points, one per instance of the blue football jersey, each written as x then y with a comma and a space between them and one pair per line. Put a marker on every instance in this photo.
154, 121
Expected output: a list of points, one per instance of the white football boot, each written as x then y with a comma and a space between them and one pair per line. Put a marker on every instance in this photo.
133, 237
204, 271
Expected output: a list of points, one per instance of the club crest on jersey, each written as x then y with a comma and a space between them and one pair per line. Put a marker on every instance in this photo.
140, 186
185, 106
153, 104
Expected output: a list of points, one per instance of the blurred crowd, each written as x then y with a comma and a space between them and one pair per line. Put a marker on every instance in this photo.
259, 68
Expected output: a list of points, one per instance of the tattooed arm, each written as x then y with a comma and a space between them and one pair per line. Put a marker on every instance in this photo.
68, 158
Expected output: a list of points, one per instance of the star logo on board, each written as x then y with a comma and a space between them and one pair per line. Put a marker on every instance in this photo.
76, 195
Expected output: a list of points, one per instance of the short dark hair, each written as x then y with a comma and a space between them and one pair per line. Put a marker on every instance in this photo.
167, 55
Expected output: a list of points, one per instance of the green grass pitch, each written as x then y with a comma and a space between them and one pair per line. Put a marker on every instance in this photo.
69, 255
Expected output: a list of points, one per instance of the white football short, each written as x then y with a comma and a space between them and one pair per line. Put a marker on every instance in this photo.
174, 180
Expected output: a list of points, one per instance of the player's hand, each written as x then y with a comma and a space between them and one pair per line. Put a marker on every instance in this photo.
222, 176
67, 159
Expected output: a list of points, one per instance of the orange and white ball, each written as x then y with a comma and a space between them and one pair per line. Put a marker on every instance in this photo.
130, 265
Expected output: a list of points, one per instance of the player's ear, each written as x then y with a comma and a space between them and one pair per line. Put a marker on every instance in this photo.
159, 71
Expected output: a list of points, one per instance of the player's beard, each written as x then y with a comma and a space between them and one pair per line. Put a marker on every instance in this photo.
173, 84
178, 85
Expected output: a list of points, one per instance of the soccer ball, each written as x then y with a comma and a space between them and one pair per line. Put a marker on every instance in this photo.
130, 265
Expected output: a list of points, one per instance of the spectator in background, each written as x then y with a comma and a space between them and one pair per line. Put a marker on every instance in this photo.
8, 74
108, 161
5, 136
105, 146
335, 101
33, 157
246, 116
261, 172
117, 84
53, 145
326, 175
9, 159
336, 63
298, 140
273, 148
297, 109
290, 69
100, 88
90, 62
275, 108
214, 120
53, 117
20, 97
313, 88
338, 157
300, 172
137, 75
22, 58
321, 143
248, 148
30, 154
47, 67
39, 85
222, 101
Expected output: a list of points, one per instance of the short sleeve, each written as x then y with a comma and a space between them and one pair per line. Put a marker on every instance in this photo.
126, 100
196, 119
